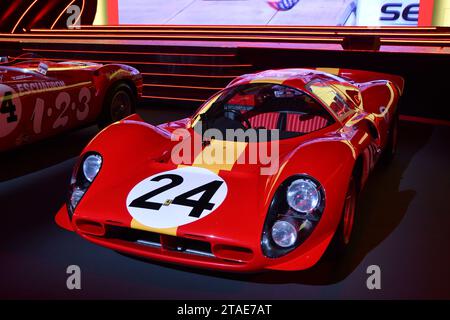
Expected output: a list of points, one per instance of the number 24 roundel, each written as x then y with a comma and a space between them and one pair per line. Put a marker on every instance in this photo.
177, 197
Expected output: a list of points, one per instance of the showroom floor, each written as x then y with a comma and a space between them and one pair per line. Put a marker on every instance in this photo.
403, 228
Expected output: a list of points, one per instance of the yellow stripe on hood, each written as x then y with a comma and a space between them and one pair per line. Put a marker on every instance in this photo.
219, 155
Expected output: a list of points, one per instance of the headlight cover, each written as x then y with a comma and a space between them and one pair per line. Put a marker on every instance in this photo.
303, 196
284, 233
294, 212
91, 166
82, 177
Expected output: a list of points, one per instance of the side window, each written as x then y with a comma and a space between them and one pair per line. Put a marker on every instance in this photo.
329, 96
339, 105
351, 95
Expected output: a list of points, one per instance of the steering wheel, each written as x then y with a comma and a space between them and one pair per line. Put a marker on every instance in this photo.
240, 117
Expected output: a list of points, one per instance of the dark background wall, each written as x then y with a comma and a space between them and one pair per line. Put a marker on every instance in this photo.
14, 16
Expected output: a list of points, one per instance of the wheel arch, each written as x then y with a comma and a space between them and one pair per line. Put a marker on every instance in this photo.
128, 82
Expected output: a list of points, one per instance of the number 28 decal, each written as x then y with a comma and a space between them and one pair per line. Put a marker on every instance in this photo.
177, 197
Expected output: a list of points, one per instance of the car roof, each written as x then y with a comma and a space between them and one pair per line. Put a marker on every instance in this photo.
280, 76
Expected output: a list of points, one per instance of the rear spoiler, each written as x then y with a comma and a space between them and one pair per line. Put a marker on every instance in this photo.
366, 76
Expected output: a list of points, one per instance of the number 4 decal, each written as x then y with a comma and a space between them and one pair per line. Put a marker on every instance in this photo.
198, 206
10, 110
8, 107
207, 192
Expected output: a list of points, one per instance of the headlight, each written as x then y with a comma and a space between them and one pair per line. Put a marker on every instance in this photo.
294, 212
302, 195
83, 176
91, 166
284, 233
75, 197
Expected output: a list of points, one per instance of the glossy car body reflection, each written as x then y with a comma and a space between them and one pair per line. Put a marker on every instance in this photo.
120, 209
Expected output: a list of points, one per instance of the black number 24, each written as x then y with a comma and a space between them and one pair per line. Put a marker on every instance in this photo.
198, 206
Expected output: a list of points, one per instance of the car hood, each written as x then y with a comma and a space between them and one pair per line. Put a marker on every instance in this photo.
238, 214
131, 177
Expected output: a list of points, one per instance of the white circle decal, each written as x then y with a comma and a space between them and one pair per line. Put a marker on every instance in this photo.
174, 198
10, 110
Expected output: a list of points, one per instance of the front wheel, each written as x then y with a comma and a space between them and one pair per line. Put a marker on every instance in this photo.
119, 103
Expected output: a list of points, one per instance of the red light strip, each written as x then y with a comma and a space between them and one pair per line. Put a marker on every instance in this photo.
124, 26
436, 122
23, 15
151, 63
187, 75
422, 41
319, 33
60, 15
81, 13
133, 52
173, 98
426, 12
185, 38
180, 87
113, 12
228, 38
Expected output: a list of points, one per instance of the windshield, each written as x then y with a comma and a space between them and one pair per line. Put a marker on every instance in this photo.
26, 57
264, 106
330, 96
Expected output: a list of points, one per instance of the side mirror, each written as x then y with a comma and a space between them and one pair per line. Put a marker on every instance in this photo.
4, 59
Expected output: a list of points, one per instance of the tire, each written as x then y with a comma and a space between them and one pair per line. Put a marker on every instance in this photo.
391, 145
119, 103
343, 234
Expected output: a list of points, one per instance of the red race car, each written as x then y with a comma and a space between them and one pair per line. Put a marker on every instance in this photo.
203, 192
40, 98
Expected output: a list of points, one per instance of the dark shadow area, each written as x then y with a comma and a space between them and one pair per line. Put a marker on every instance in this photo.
43, 154
382, 206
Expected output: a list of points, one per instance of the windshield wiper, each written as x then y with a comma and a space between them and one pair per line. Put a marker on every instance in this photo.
205, 126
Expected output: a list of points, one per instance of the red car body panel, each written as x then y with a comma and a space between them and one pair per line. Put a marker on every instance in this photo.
68, 95
235, 228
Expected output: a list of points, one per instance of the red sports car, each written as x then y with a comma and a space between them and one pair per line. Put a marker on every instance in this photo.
40, 98
199, 192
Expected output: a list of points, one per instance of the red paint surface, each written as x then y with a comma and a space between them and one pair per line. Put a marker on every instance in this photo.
329, 155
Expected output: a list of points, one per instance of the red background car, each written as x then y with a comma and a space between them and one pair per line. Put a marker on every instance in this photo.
40, 98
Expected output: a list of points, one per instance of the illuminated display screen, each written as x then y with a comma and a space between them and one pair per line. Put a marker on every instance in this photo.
271, 12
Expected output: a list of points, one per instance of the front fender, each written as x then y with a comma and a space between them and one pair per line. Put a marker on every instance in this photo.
105, 76
331, 162
131, 137
130, 141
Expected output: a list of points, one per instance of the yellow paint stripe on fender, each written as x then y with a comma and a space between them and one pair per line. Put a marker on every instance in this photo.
38, 91
169, 231
334, 71
391, 100
269, 80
